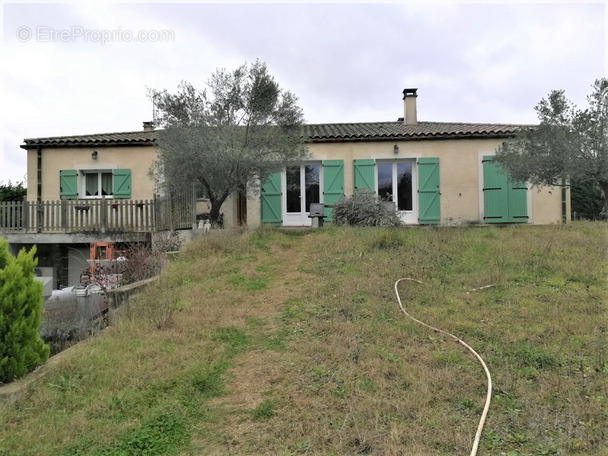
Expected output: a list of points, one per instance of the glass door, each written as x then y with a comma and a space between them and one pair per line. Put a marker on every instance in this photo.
396, 183
302, 186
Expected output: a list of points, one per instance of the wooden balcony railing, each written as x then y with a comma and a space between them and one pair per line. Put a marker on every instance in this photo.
97, 215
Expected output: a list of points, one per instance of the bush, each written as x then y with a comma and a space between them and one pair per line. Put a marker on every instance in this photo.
12, 192
587, 202
142, 262
363, 209
145, 260
21, 348
135, 261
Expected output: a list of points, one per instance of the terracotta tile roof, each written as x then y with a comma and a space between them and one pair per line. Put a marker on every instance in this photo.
378, 131
335, 132
132, 138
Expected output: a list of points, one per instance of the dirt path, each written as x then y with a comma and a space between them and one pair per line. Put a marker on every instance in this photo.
256, 372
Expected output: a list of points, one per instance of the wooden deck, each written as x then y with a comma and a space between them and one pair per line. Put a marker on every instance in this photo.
98, 215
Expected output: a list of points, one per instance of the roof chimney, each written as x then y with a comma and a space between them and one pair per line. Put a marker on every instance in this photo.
409, 106
149, 126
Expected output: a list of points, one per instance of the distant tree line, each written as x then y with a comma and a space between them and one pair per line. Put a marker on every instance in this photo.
12, 192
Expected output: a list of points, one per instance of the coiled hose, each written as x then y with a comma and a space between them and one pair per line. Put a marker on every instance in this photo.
464, 344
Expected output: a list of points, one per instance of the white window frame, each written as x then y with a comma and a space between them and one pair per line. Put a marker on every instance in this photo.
83, 183
408, 217
299, 218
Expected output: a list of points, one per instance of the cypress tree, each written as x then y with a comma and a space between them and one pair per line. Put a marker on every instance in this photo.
21, 348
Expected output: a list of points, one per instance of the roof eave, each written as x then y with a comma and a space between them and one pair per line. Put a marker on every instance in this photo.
56, 145
410, 137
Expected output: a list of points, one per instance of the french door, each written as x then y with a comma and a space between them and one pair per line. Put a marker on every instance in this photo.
395, 182
302, 186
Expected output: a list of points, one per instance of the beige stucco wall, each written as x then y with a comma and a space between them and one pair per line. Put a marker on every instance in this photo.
547, 205
138, 159
254, 210
230, 211
460, 168
461, 174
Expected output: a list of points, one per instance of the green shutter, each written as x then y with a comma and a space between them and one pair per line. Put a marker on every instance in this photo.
364, 175
68, 180
271, 200
428, 191
518, 202
495, 194
121, 183
333, 184
503, 200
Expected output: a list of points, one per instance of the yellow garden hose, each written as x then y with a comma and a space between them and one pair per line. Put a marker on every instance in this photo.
461, 342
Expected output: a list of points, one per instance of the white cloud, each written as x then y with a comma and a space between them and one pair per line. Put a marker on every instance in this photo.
346, 62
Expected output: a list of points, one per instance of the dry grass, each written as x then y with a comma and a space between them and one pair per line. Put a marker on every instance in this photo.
292, 343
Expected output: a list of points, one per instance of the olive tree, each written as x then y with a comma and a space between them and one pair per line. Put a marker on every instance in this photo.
568, 144
229, 136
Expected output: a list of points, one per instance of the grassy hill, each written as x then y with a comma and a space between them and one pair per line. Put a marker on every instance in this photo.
291, 342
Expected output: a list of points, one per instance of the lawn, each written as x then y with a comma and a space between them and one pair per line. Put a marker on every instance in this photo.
291, 342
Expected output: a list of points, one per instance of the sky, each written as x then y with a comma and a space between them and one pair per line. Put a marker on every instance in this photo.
82, 68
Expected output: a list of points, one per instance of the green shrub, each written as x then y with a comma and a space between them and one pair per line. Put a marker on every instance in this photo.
12, 192
363, 209
587, 201
21, 348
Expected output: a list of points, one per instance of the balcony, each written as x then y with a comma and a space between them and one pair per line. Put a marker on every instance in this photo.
96, 217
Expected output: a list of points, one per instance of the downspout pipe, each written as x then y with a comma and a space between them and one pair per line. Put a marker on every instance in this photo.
39, 175
39, 189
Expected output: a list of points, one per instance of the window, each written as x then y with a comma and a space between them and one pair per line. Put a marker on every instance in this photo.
302, 185
397, 180
98, 184
115, 183
311, 183
293, 189
286, 197
395, 184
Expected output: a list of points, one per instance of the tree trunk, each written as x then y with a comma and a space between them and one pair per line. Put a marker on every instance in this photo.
216, 205
604, 187
214, 214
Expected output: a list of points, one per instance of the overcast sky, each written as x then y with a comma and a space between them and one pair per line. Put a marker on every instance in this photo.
85, 68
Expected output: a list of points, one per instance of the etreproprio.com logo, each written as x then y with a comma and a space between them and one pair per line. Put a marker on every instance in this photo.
47, 34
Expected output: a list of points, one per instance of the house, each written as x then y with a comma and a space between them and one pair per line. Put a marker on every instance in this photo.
434, 172
97, 188
83, 191
114, 165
